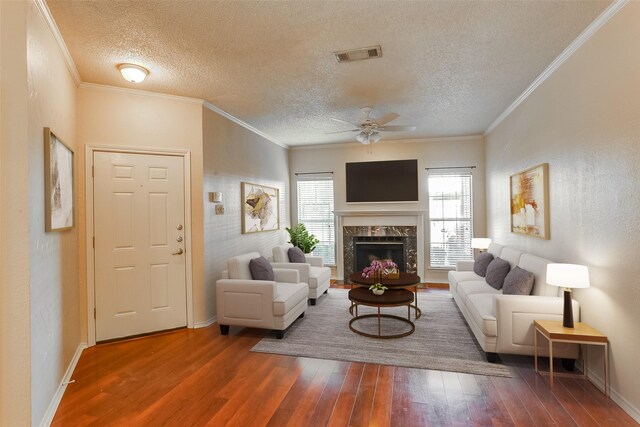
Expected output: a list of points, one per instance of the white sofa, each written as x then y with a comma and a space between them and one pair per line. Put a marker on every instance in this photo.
313, 272
504, 323
242, 301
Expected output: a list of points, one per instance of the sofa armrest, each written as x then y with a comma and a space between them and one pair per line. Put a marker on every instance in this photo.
286, 275
466, 265
264, 287
301, 268
515, 315
315, 261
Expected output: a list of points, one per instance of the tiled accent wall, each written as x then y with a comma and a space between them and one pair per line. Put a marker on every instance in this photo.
410, 241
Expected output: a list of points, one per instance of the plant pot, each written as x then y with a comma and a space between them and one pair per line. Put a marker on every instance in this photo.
378, 291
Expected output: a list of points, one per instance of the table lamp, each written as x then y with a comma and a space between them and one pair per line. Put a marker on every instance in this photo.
480, 243
568, 276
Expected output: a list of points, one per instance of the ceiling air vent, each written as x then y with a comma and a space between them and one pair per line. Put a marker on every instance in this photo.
358, 54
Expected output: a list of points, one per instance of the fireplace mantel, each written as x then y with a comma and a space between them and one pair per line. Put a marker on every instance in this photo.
379, 217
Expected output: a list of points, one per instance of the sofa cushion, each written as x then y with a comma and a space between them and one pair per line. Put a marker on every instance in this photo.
261, 269
497, 271
280, 252
481, 308
455, 277
296, 255
318, 276
475, 287
482, 262
238, 266
518, 282
288, 295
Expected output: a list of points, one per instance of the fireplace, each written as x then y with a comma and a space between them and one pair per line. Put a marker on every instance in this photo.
369, 248
361, 244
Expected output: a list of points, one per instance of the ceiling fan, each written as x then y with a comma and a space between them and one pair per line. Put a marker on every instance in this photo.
369, 128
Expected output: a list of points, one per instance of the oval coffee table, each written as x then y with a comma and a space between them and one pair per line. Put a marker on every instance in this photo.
391, 298
405, 281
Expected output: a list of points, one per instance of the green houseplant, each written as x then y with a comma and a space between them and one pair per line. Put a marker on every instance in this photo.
378, 288
300, 237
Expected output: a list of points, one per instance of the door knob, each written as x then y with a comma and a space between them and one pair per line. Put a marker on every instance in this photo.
178, 252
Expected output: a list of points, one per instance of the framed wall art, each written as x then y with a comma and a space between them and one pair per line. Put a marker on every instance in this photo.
260, 208
530, 201
58, 183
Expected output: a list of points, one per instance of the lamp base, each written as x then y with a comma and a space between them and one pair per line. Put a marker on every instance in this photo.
567, 316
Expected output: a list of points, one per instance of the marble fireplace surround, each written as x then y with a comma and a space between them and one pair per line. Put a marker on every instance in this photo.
352, 223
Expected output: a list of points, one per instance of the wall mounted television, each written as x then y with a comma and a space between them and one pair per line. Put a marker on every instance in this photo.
386, 181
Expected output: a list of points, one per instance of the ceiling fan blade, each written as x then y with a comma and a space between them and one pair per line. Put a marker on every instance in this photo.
346, 122
387, 118
342, 131
397, 128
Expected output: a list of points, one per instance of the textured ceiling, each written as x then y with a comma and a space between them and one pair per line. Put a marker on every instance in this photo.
449, 68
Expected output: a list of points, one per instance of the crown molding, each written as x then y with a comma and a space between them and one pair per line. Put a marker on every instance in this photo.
116, 89
51, 23
245, 125
477, 138
591, 29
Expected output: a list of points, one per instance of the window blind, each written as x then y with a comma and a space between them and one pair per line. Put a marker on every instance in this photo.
315, 211
450, 218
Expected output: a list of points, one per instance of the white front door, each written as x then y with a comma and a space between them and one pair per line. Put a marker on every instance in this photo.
139, 207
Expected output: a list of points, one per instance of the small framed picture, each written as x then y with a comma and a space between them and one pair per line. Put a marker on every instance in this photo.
58, 183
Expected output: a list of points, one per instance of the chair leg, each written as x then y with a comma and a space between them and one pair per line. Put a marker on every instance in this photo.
301, 316
492, 357
279, 334
312, 301
224, 329
327, 291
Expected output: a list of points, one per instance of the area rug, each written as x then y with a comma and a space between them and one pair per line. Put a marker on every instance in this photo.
441, 341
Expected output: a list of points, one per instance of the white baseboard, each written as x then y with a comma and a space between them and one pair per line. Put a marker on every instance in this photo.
615, 396
57, 397
206, 323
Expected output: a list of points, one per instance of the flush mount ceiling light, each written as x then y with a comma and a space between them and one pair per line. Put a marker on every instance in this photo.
133, 73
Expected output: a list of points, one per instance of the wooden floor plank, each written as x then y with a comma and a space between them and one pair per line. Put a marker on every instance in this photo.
199, 377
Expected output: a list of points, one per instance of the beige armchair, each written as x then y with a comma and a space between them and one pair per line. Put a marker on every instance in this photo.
313, 272
242, 301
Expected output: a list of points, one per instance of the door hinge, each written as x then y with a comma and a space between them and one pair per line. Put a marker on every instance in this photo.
94, 312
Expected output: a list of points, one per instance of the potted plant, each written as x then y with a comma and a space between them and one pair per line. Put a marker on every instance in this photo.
378, 288
300, 237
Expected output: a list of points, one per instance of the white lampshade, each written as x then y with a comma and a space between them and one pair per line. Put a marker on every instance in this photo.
374, 137
480, 243
133, 73
568, 275
363, 138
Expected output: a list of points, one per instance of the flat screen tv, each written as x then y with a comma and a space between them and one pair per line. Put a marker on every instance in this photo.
388, 181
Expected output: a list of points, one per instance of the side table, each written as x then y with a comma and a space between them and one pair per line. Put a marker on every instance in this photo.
582, 333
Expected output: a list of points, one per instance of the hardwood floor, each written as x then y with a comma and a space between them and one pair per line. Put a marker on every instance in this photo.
198, 377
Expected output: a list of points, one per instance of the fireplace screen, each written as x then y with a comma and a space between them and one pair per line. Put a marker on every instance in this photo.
367, 251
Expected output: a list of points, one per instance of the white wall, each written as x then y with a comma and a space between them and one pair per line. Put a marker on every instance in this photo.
585, 122
441, 152
233, 154
55, 320
15, 380
133, 119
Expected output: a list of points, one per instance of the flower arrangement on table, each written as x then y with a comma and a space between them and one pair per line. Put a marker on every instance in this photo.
379, 269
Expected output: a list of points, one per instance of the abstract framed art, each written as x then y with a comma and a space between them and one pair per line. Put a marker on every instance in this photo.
58, 183
530, 201
260, 208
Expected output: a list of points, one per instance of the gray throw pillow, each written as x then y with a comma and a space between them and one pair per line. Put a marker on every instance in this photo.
296, 255
496, 272
261, 269
518, 282
482, 262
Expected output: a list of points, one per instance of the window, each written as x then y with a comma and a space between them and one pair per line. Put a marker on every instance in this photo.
450, 218
315, 211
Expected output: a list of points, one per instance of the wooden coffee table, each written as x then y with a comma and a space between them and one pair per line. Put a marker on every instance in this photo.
405, 281
391, 298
